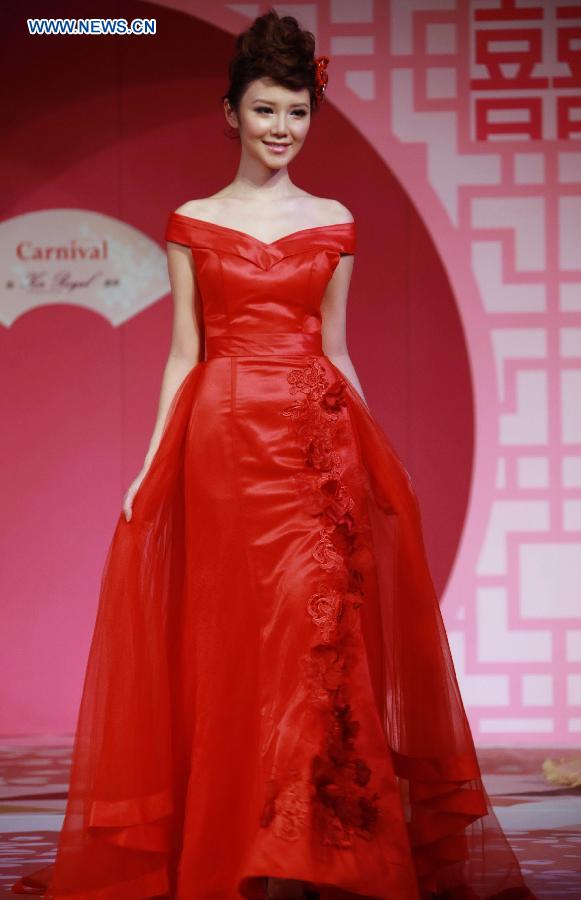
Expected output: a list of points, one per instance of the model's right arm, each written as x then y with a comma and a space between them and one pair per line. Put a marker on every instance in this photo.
184, 352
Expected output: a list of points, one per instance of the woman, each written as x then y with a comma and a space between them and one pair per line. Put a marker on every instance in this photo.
270, 706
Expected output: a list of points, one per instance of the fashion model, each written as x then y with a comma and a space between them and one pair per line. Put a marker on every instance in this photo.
270, 707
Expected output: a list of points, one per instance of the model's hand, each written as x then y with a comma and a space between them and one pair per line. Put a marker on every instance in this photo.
133, 488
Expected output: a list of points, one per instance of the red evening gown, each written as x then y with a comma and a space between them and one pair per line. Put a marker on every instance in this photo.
270, 690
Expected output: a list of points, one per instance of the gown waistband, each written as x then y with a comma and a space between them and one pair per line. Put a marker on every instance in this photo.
283, 343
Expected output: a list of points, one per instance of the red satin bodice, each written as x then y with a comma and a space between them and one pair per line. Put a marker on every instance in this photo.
251, 287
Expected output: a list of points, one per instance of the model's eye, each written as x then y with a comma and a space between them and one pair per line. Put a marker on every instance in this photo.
300, 112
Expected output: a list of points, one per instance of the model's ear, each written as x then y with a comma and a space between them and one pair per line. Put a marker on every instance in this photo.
230, 114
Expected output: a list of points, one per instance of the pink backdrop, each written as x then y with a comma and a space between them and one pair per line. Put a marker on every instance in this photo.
464, 320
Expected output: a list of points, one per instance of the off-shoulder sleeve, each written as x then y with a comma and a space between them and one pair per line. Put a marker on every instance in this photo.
177, 230
348, 241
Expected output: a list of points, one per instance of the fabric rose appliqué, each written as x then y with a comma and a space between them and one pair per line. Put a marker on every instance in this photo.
341, 804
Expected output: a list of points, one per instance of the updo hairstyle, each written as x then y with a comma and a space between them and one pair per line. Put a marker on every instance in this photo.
273, 47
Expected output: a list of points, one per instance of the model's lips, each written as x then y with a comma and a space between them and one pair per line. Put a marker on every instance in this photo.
277, 147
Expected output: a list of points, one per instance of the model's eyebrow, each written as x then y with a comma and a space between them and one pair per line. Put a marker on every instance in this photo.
270, 102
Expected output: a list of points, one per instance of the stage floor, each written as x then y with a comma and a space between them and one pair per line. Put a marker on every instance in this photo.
542, 821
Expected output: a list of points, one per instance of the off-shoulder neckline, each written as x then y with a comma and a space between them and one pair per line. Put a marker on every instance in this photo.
251, 237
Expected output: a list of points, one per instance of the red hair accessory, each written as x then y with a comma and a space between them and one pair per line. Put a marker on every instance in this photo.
321, 77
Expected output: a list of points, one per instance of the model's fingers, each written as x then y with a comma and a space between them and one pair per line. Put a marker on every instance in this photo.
127, 503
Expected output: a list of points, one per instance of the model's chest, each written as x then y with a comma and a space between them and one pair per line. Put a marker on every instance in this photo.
264, 273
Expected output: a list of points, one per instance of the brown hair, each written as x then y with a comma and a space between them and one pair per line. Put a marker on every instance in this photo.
273, 47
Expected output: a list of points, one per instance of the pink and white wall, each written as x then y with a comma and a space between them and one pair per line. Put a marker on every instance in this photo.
453, 132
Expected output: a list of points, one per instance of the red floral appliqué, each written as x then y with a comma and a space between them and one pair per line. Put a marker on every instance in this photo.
336, 797
287, 809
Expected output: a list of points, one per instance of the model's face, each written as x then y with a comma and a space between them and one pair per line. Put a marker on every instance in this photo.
273, 121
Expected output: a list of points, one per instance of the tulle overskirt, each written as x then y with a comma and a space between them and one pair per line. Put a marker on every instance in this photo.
270, 689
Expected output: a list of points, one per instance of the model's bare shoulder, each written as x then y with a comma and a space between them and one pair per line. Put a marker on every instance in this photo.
331, 211
190, 208
340, 212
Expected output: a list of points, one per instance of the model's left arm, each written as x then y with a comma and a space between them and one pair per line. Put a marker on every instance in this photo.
334, 318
